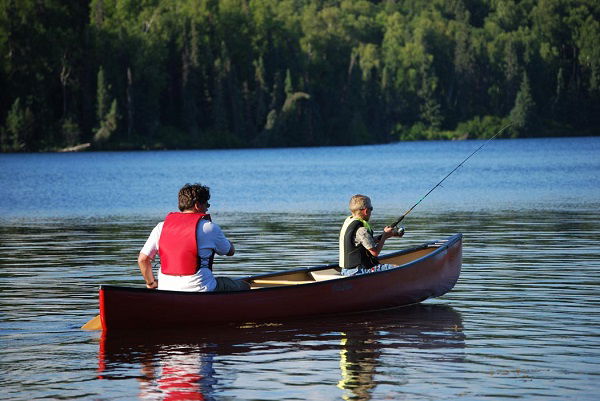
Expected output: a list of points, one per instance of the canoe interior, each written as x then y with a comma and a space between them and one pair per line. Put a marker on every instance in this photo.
332, 272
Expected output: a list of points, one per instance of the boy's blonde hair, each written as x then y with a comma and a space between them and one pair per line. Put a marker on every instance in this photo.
358, 202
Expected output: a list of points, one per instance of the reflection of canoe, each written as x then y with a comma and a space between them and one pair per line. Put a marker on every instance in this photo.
426, 271
421, 326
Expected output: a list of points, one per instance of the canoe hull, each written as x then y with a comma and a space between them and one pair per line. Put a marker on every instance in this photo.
429, 276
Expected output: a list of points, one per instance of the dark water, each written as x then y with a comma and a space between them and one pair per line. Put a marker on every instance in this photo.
522, 322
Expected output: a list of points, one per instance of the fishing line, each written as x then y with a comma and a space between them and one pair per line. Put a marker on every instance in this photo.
448, 175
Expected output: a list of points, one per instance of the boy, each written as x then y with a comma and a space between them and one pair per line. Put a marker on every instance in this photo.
359, 249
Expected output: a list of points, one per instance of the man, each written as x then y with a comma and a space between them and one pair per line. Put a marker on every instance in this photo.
359, 249
186, 243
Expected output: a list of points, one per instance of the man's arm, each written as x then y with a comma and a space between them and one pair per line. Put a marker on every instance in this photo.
219, 242
231, 249
145, 264
147, 254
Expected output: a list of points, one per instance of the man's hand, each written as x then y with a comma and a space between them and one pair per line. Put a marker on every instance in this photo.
231, 250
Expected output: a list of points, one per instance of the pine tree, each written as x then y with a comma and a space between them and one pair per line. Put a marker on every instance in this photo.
19, 128
108, 125
102, 96
523, 113
106, 111
190, 62
289, 86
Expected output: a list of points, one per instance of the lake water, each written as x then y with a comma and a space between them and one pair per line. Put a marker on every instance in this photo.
523, 321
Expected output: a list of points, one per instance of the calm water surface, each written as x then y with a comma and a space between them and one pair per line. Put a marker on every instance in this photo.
522, 322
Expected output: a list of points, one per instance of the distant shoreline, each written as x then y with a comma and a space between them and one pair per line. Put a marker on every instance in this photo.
89, 147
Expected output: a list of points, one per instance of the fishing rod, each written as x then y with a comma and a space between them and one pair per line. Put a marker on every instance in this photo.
448, 175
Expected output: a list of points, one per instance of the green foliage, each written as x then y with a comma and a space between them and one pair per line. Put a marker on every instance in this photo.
19, 128
102, 96
421, 132
480, 127
523, 115
233, 73
108, 126
285, 127
71, 132
588, 39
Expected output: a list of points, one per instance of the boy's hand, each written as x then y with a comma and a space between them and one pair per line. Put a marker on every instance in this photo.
395, 232
388, 232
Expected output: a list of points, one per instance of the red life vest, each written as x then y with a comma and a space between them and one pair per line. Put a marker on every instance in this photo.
178, 245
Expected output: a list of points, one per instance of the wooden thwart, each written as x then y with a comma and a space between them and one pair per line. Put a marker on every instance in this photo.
328, 274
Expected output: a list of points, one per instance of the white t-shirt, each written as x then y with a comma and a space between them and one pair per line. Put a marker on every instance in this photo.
209, 236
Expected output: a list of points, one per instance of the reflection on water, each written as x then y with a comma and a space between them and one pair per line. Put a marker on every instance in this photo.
183, 373
423, 327
358, 361
185, 365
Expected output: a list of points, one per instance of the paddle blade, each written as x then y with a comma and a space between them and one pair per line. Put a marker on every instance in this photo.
93, 324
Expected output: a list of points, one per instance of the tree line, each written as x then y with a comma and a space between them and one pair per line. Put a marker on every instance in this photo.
155, 74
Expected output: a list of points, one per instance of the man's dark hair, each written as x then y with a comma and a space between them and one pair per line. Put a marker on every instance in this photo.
191, 194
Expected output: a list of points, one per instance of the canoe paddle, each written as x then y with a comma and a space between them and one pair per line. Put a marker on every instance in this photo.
394, 224
94, 324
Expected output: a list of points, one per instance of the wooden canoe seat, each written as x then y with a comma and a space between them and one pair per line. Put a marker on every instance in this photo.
328, 274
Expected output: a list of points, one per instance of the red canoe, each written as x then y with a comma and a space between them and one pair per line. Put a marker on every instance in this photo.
426, 271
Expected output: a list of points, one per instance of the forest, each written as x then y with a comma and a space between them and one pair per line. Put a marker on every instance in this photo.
194, 74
